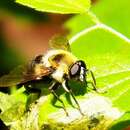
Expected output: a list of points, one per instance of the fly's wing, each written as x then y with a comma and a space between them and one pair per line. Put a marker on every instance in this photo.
37, 73
13, 78
21, 75
59, 42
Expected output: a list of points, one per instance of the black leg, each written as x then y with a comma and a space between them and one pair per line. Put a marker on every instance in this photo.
52, 88
71, 92
31, 99
31, 89
94, 83
33, 95
94, 80
67, 89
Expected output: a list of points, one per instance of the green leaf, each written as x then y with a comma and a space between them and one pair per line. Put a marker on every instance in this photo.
117, 17
106, 51
109, 58
122, 122
107, 54
84, 20
115, 14
7, 101
12, 106
58, 6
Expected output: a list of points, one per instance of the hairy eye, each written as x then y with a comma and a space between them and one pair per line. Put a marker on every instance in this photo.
74, 70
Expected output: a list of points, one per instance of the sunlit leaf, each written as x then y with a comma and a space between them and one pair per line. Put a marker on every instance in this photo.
58, 6
114, 13
108, 56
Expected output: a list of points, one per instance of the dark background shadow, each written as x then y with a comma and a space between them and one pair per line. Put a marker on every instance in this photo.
3, 126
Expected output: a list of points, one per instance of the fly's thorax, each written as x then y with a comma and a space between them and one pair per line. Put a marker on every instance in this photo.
54, 58
61, 61
62, 69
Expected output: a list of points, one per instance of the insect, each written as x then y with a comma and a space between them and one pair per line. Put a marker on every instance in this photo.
58, 64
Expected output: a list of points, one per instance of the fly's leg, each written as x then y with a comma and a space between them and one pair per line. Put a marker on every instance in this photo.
94, 80
94, 83
34, 94
52, 88
71, 92
68, 90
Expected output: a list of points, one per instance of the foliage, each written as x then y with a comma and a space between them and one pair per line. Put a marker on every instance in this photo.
104, 45
58, 6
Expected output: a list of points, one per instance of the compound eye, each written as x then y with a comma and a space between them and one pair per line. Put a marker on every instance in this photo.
74, 70
82, 64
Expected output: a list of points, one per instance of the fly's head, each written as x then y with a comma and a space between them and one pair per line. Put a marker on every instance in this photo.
77, 71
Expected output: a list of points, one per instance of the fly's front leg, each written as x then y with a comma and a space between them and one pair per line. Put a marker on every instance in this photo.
94, 80
52, 88
68, 90
94, 83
